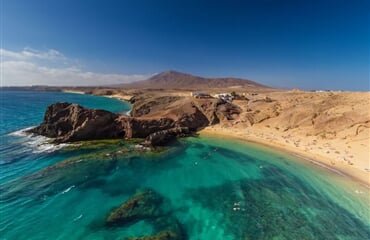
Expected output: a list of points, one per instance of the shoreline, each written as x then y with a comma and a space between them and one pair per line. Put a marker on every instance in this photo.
73, 91
335, 163
120, 97
125, 98
354, 174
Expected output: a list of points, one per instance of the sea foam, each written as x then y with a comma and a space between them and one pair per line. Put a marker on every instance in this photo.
68, 189
22, 132
38, 144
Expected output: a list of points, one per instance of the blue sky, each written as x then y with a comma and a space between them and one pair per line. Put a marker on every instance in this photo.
308, 44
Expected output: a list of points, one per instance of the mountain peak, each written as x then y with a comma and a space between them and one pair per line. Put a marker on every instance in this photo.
172, 73
172, 79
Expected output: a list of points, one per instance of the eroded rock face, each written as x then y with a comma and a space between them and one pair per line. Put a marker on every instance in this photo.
182, 110
228, 111
143, 127
160, 138
67, 122
146, 105
194, 120
187, 112
209, 109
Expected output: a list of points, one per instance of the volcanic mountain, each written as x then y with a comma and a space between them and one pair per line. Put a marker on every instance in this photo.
178, 80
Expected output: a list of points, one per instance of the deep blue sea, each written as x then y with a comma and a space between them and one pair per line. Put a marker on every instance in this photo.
213, 188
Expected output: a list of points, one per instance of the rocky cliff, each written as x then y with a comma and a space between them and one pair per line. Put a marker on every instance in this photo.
68, 122
157, 119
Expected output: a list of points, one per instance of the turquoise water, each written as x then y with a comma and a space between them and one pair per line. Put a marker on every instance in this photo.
23, 109
213, 188
26, 108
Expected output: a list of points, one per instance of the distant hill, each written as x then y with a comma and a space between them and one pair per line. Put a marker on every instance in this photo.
178, 80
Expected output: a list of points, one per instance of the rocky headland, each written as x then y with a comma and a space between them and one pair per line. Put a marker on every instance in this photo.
157, 119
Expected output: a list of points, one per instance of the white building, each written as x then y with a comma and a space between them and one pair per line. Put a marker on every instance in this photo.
224, 96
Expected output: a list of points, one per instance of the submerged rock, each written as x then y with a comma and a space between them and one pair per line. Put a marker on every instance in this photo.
166, 228
144, 205
164, 235
150, 206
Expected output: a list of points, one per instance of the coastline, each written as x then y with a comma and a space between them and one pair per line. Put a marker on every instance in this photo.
354, 165
118, 96
121, 97
339, 168
73, 91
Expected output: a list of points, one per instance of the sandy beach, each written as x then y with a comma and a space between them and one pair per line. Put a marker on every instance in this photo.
334, 155
121, 97
73, 91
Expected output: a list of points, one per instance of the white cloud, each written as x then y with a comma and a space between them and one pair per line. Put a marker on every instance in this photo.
29, 53
32, 67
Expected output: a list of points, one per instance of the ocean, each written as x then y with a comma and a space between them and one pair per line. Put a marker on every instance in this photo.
211, 188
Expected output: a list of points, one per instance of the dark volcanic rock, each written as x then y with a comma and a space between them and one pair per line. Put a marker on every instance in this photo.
142, 127
144, 205
150, 206
160, 138
69, 122
168, 118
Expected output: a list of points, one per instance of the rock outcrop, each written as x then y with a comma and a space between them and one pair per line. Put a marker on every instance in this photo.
143, 127
227, 111
145, 105
162, 137
68, 122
